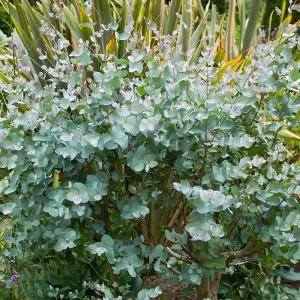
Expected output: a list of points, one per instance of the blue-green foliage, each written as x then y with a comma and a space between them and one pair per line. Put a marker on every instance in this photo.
147, 163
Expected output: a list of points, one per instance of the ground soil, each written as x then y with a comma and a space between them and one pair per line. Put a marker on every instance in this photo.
174, 292
170, 291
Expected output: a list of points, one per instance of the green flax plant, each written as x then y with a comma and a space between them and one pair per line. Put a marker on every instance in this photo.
198, 28
107, 26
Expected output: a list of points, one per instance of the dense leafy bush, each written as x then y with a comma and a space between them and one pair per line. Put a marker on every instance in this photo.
221, 5
280, 4
146, 163
5, 22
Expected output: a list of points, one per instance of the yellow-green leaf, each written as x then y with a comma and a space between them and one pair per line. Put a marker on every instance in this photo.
288, 134
72, 23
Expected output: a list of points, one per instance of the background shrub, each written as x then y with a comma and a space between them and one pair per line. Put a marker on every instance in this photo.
270, 6
5, 22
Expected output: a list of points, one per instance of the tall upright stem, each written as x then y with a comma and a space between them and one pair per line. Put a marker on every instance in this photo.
209, 287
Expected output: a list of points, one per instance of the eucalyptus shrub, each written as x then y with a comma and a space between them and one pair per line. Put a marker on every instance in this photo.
149, 163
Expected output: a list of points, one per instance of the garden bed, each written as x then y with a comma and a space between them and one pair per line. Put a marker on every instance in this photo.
170, 291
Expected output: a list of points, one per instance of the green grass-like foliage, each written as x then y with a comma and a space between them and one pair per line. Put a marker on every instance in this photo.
114, 169
192, 20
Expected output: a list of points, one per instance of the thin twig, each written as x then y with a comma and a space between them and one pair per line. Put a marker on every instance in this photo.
178, 256
171, 268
